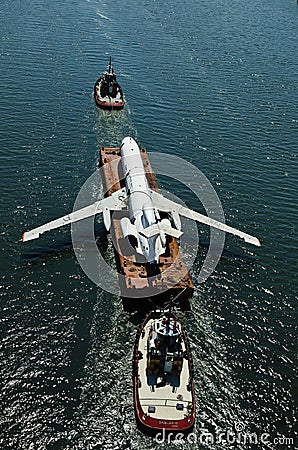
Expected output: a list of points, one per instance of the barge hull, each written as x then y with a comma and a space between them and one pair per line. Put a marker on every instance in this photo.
170, 277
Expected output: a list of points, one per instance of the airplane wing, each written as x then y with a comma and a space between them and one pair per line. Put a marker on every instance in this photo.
114, 202
163, 204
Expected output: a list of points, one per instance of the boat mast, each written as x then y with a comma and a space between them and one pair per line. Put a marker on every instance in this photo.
172, 303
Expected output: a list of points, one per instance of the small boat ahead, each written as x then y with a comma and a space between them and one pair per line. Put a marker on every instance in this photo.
107, 91
163, 375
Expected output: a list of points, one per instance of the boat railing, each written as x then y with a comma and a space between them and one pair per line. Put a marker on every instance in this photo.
164, 402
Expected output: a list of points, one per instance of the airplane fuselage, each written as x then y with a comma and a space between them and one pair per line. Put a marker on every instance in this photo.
141, 211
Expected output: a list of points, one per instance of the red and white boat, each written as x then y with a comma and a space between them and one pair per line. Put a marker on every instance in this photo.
107, 91
163, 375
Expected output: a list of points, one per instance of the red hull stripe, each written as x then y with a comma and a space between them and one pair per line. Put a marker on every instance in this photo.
109, 105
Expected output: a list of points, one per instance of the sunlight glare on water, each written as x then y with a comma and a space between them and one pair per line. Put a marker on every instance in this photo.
212, 82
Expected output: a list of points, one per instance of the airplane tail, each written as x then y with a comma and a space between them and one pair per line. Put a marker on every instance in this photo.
164, 226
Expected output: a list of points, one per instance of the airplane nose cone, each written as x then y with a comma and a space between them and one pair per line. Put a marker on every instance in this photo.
127, 140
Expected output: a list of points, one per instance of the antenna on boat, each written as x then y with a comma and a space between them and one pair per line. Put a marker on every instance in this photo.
110, 64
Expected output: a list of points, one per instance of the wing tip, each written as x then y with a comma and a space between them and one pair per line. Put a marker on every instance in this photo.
253, 240
256, 241
29, 236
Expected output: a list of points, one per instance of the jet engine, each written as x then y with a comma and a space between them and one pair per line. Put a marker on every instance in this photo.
129, 232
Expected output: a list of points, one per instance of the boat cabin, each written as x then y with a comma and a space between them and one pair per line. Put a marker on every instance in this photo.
164, 350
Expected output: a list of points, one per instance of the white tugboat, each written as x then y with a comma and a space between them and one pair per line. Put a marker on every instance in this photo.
163, 375
107, 91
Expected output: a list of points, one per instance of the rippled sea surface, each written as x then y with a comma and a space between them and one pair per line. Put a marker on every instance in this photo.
212, 82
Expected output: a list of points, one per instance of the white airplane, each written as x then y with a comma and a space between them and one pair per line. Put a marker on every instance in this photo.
144, 227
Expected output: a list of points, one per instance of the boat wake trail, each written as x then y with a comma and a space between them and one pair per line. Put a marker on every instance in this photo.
111, 127
217, 396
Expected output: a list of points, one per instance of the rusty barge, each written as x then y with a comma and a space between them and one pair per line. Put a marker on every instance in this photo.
170, 278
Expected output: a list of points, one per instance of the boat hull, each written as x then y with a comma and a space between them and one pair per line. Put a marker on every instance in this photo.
107, 102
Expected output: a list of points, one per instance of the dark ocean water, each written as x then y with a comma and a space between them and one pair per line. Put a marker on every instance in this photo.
213, 82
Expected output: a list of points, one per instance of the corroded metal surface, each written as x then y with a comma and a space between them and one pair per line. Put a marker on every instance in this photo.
171, 276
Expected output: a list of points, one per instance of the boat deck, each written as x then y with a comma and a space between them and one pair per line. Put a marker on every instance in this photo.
171, 400
108, 98
108, 101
